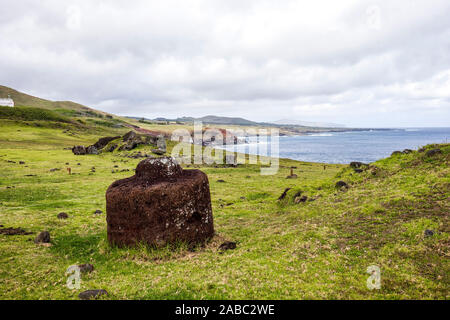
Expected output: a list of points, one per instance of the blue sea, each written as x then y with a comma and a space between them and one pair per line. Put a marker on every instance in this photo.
344, 147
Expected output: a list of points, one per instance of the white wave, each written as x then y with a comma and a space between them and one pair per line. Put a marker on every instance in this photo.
320, 135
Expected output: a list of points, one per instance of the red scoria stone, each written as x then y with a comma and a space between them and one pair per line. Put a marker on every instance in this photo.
160, 204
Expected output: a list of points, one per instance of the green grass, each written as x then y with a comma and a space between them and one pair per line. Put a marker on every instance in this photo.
313, 250
30, 114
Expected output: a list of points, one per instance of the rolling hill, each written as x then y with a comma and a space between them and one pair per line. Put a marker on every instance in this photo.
26, 100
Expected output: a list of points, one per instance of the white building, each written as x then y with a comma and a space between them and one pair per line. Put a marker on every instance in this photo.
8, 102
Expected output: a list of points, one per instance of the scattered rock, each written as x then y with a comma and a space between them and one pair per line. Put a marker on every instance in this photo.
433, 152
428, 233
421, 150
292, 176
357, 164
358, 170
160, 204
137, 155
86, 267
341, 184
43, 237
54, 169
98, 211
92, 294
298, 200
13, 231
62, 215
406, 151
79, 150
220, 180
396, 153
374, 170
227, 245
283, 195
21, 162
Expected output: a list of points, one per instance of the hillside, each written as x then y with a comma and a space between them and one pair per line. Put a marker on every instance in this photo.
221, 120
23, 99
393, 214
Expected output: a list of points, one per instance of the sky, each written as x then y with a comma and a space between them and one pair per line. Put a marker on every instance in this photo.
358, 63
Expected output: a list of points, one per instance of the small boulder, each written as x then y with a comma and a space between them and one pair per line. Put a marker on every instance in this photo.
298, 200
62, 215
428, 233
407, 151
92, 294
43, 237
79, 150
396, 153
357, 164
98, 211
341, 184
220, 180
433, 152
86, 267
227, 245
283, 195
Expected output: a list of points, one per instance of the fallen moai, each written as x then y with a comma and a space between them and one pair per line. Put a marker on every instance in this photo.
129, 141
160, 204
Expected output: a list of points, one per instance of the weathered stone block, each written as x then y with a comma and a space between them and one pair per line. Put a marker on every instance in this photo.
160, 204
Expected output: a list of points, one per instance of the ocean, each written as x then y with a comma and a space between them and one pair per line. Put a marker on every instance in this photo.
344, 147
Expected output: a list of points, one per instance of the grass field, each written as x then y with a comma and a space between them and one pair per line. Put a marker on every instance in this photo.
317, 249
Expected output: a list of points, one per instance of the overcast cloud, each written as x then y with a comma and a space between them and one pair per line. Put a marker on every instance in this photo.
360, 63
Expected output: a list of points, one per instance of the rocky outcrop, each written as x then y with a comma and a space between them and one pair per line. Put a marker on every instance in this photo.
160, 204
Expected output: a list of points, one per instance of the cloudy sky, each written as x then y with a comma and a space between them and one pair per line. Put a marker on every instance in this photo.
359, 63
